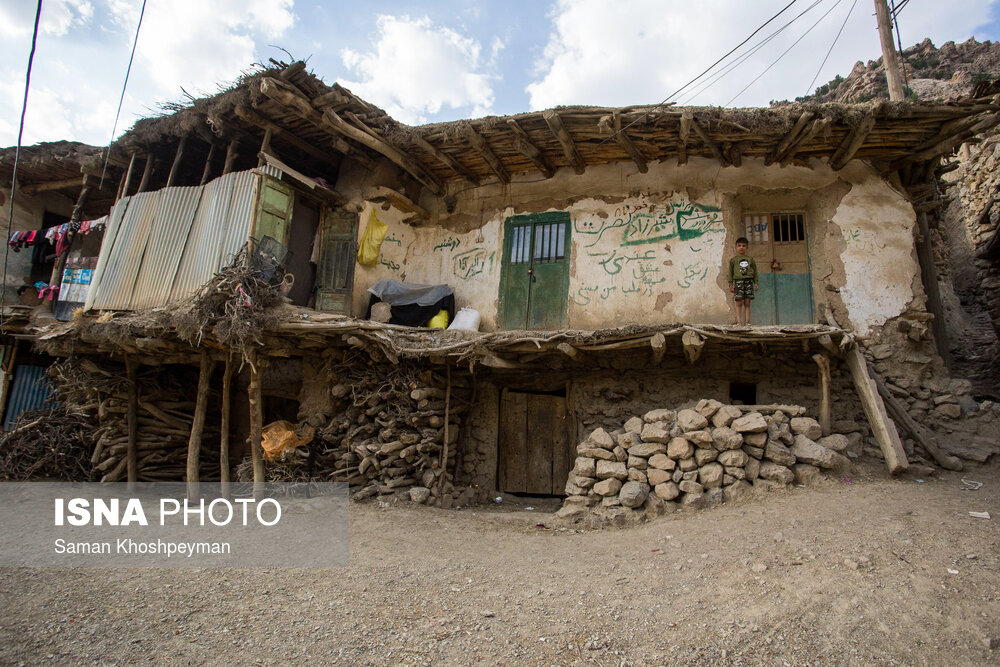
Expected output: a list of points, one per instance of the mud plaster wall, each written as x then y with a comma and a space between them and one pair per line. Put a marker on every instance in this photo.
28, 214
650, 248
609, 399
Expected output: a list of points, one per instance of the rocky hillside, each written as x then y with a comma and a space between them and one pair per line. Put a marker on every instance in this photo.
948, 72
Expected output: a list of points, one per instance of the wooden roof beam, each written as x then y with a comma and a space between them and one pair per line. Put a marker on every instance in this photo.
852, 142
626, 142
249, 115
682, 137
525, 147
949, 143
483, 148
444, 158
789, 139
708, 141
283, 94
817, 126
554, 122
35, 188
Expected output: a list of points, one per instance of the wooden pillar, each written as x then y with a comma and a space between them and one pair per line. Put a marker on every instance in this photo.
81, 201
882, 426
823, 362
147, 173
230, 156
265, 147
128, 176
131, 454
178, 156
256, 423
227, 377
928, 273
198, 425
658, 344
693, 345
208, 164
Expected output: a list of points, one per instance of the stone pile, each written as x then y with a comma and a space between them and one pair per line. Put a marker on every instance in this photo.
712, 453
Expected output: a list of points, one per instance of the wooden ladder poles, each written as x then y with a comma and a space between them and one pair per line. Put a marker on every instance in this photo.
882, 426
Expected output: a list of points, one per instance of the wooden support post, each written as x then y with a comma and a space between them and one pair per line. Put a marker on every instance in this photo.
823, 362
826, 342
658, 343
693, 345
81, 201
900, 414
198, 426
444, 449
231, 150
207, 171
265, 147
256, 424
128, 176
227, 378
524, 145
147, 172
132, 420
178, 156
882, 426
562, 135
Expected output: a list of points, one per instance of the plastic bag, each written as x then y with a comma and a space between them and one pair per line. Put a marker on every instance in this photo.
467, 319
281, 436
439, 321
371, 241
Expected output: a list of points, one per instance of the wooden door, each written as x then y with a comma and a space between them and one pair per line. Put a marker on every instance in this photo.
274, 210
335, 273
779, 244
536, 452
534, 276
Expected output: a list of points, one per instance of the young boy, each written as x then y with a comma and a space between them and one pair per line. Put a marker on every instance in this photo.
743, 280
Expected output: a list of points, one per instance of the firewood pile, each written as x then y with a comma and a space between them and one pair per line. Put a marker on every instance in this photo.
164, 423
388, 435
51, 444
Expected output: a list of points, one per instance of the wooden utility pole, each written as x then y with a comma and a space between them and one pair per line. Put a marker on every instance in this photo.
889, 60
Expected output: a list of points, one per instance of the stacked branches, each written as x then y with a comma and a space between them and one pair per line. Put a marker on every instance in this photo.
51, 444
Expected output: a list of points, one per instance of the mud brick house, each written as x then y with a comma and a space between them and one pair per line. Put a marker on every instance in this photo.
592, 242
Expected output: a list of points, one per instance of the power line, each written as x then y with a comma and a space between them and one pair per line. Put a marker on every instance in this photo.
895, 22
830, 50
122, 98
676, 92
715, 78
896, 10
17, 155
794, 44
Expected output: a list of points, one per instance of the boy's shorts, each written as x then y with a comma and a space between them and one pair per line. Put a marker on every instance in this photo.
743, 289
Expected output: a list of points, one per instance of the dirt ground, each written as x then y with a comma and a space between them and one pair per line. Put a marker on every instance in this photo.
866, 571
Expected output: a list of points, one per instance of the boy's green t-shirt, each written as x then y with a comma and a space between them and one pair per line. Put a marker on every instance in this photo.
742, 267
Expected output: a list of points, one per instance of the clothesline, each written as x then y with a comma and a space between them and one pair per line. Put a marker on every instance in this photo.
57, 235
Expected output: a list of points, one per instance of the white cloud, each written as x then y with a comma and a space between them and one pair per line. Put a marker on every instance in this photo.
416, 68
641, 51
58, 16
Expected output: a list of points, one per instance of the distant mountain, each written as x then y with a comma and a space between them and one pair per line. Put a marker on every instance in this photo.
944, 73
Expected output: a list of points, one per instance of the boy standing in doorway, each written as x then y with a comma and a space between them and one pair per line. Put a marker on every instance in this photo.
743, 280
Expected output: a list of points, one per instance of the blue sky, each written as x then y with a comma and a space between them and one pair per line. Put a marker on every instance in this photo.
428, 62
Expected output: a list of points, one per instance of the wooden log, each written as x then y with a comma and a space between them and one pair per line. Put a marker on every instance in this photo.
480, 146
684, 134
524, 145
147, 173
198, 425
817, 126
444, 159
132, 421
708, 141
251, 116
572, 352
693, 345
81, 201
621, 136
790, 410
852, 142
823, 362
900, 414
231, 153
207, 171
265, 147
227, 377
658, 343
128, 176
256, 424
790, 137
555, 124
882, 427
178, 156
826, 342
35, 188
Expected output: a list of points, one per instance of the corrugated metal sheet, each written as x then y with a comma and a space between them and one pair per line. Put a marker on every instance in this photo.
29, 391
162, 246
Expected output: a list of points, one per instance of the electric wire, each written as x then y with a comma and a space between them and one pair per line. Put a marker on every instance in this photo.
679, 90
122, 98
830, 50
899, 42
783, 53
17, 155
715, 78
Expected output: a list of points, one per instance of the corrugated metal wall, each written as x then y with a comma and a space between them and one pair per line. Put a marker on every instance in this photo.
162, 246
29, 391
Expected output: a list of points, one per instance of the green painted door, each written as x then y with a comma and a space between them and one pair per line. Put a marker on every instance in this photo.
779, 243
274, 210
335, 273
534, 276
